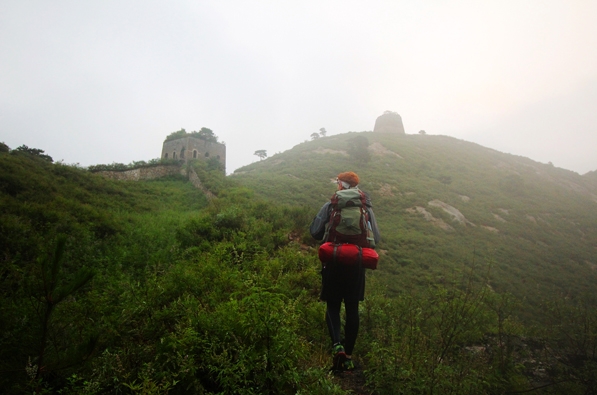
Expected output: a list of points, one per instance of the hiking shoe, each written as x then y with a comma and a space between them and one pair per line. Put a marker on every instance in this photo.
339, 357
348, 365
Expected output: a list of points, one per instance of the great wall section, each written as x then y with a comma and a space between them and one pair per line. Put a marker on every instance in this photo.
154, 172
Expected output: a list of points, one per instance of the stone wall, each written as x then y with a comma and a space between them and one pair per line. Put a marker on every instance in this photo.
194, 179
144, 173
151, 173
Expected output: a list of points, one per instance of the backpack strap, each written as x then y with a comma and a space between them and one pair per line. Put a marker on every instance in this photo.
335, 255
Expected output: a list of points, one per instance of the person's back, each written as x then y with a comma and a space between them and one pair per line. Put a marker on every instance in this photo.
343, 282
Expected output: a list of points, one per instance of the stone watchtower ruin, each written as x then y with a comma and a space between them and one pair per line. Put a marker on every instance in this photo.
185, 148
389, 122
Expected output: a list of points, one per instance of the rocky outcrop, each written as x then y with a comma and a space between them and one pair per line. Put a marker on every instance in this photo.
454, 212
429, 217
497, 217
321, 150
378, 149
389, 122
386, 190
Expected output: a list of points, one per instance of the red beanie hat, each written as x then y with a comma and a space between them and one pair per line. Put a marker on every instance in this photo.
349, 177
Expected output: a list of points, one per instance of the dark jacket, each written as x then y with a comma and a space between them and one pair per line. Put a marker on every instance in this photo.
341, 281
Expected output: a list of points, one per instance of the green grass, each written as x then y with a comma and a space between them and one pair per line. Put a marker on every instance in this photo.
191, 295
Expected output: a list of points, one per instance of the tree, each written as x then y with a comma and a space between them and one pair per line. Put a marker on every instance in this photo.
54, 288
314, 136
262, 154
33, 152
322, 132
4, 147
176, 135
422, 132
203, 134
358, 149
207, 135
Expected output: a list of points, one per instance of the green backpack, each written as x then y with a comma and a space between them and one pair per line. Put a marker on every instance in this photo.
349, 220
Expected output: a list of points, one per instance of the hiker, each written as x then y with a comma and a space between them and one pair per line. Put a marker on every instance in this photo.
343, 282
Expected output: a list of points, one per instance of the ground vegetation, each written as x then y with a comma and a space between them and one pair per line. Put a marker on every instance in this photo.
149, 287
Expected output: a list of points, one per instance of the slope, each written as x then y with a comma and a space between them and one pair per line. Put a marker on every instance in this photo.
444, 204
40, 199
146, 287
191, 296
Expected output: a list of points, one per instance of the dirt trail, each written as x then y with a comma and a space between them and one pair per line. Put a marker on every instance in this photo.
353, 381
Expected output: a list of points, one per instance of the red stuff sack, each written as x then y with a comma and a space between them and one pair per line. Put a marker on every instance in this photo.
348, 254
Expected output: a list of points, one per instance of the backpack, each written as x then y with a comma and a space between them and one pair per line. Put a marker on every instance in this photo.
349, 220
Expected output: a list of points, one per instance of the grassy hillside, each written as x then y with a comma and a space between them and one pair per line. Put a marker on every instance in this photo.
41, 200
148, 288
531, 226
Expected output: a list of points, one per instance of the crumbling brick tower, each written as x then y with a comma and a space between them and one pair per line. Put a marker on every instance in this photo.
186, 148
389, 122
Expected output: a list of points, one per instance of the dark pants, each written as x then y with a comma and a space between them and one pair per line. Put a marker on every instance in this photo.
343, 283
351, 329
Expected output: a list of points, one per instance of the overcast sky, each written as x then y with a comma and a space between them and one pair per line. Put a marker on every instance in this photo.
97, 82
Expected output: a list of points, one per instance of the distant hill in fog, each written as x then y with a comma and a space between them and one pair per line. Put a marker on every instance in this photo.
444, 204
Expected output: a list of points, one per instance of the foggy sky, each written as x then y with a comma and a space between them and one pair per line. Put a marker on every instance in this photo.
107, 81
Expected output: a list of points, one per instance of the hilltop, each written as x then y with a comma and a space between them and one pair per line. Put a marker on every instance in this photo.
444, 204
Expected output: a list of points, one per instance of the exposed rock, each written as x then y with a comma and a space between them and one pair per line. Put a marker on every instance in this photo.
491, 229
418, 209
429, 217
454, 212
321, 150
386, 190
498, 218
378, 149
389, 122
465, 198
